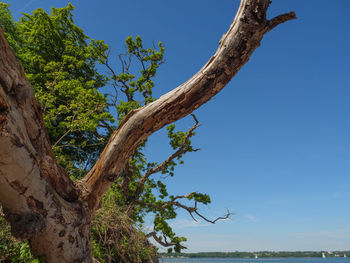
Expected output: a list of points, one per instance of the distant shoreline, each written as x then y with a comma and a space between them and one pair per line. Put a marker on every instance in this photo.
259, 254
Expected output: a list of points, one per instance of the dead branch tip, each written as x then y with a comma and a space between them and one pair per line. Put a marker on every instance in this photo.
279, 20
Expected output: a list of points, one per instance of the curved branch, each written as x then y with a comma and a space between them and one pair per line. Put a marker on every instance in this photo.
105, 125
279, 20
190, 209
226, 216
164, 243
235, 48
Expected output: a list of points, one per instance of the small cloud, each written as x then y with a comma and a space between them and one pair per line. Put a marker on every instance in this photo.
326, 234
251, 218
184, 223
341, 194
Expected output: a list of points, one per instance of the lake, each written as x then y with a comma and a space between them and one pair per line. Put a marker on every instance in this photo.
259, 260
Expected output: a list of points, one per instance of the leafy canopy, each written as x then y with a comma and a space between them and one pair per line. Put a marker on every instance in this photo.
59, 61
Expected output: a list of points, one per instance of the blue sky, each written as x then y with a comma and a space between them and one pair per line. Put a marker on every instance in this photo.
275, 142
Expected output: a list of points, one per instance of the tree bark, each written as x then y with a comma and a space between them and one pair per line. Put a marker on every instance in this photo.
40, 201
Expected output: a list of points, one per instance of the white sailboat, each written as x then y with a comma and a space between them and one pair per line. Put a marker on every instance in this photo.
344, 255
323, 255
256, 256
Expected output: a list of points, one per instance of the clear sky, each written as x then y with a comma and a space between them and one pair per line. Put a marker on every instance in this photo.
275, 142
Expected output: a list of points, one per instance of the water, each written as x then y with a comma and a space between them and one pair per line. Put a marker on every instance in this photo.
259, 260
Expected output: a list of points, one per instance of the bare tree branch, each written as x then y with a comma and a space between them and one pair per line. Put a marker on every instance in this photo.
105, 125
235, 48
226, 216
279, 20
181, 150
124, 184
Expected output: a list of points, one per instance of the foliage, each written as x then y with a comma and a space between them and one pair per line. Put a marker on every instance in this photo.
60, 62
126, 243
139, 193
12, 250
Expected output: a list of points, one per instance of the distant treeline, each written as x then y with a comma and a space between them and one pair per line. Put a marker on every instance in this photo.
260, 254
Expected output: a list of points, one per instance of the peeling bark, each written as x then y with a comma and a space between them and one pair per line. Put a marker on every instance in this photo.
37, 195
25, 226
40, 201
22, 123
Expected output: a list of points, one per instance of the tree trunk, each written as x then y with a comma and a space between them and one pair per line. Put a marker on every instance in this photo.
40, 201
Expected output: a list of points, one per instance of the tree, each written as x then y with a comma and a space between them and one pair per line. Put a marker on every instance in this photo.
59, 61
40, 200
